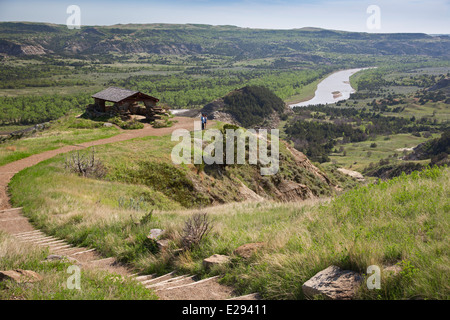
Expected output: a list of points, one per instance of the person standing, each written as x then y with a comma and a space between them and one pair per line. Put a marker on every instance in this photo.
204, 119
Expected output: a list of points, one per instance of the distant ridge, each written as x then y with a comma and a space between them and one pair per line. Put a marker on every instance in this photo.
28, 38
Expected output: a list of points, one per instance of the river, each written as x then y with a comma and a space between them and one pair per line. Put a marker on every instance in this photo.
332, 89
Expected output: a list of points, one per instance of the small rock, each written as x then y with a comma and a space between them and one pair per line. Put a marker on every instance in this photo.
163, 244
333, 283
247, 250
54, 257
155, 234
216, 259
107, 124
392, 270
20, 276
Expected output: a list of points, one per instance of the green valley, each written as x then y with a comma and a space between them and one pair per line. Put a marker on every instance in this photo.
362, 182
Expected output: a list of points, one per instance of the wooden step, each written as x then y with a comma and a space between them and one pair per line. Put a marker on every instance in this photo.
158, 279
177, 283
32, 237
20, 234
251, 296
19, 209
145, 277
104, 260
49, 240
5, 219
68, 251
81, 252
194, 283
206, 289
171, 282
56, 247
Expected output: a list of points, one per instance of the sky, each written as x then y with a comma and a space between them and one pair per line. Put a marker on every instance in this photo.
424, 16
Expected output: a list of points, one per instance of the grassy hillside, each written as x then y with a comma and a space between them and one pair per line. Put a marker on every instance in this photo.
399, 222
84, 210
308, 216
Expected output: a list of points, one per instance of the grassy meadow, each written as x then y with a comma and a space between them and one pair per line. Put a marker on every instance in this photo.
358, 155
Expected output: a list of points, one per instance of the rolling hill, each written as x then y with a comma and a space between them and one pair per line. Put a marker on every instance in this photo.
22, 38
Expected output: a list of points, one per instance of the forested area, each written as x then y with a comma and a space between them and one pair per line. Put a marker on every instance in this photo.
32, 109
317, 138
187, 90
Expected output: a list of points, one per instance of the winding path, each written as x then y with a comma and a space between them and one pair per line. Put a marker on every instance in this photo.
167, 287
7, 171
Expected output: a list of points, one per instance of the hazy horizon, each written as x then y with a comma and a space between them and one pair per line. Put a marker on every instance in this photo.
214, 25
403, 16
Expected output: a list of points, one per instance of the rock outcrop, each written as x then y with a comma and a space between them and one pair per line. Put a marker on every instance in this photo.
14, 49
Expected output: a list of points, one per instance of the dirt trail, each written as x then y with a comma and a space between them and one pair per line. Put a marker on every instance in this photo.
168, 287
7, 171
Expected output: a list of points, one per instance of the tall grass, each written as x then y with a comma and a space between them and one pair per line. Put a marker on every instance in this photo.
403, 221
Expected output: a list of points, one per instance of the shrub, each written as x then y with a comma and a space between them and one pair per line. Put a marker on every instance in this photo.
131, 203
85, 165
127, 125
84, 124
164, 122
195, 229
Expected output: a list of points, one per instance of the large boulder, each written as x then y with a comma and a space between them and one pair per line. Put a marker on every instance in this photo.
20, 276
333, 283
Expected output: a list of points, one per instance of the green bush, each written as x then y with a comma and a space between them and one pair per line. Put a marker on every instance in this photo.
127, 125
